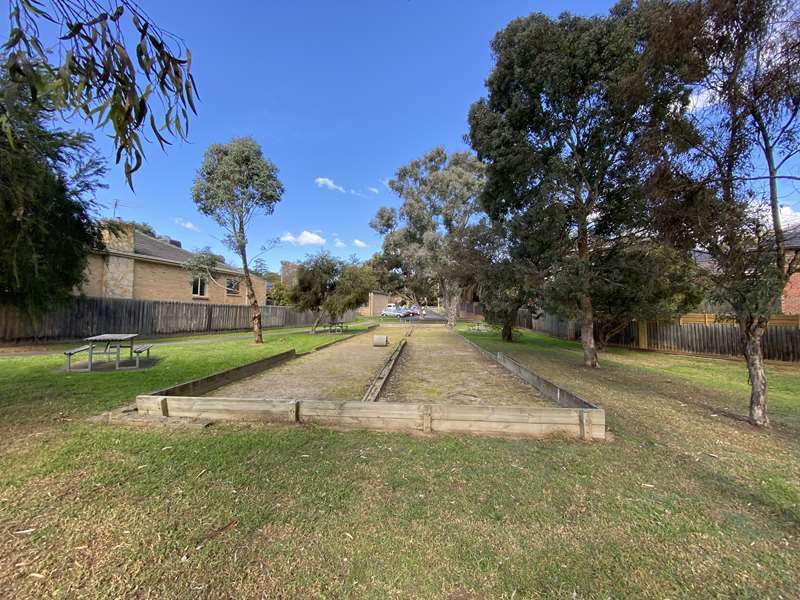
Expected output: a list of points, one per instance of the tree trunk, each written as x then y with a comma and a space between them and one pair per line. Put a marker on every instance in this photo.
452, 312
507, 333
754, 355
252, 299
452, 294
587, 334
255, 309
587, 314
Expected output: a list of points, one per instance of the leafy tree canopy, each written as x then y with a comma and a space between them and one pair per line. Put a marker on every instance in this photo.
569, 131
505, 277
746, 118
330, 286
95, 69
440, 197
233, 185
279, 294
647, 281
48, 177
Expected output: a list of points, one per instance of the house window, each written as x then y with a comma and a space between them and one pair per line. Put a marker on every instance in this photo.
232, 287
199, 287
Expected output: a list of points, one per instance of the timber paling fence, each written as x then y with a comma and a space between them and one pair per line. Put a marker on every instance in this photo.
698, 333
84, 317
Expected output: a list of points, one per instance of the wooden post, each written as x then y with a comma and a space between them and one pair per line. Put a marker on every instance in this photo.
427, 425
162, 402
644, 343
586, 425
294, 411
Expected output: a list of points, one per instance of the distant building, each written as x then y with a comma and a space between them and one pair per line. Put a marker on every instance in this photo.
790, 301
289, 273
376, 302
140, 266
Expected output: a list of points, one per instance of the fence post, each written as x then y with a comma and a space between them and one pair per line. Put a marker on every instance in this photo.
644, 343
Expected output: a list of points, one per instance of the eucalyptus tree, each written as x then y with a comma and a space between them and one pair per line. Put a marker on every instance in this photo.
316, 282
92, 67
330, 286
743, 130
643, 281
234, 184
439, 198
567, 132
505, 277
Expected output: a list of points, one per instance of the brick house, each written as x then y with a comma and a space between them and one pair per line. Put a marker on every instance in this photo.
790, 302
136, 265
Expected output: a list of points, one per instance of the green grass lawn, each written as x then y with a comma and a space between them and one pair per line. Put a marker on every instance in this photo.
684, 502
36, 388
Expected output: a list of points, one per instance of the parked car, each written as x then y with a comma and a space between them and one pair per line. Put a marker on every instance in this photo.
414, 310
390, 312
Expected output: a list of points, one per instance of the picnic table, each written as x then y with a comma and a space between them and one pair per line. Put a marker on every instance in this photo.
339, 326
113, 341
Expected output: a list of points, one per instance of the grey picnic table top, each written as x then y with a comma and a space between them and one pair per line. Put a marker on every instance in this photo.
112, 337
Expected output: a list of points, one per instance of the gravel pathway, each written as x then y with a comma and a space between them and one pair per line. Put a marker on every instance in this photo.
439, 366
340, 372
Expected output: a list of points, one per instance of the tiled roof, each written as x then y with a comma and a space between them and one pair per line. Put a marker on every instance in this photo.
792, 236
149, 246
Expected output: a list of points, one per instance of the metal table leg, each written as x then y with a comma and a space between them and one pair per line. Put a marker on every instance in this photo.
91, 352
116, 366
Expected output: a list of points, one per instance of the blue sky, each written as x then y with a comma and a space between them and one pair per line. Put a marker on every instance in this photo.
338, 94
346, 91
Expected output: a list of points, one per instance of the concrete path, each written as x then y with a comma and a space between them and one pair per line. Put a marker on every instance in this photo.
439, 366
340, 372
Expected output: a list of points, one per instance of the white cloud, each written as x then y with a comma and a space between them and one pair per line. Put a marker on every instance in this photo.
360, 244
355, 193
374, 190
340, 244
789, 216
306, 238
701, 99
385, 183
327, 183
185, 224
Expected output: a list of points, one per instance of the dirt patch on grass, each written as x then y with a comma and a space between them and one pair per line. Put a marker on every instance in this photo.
341, 372
437, 365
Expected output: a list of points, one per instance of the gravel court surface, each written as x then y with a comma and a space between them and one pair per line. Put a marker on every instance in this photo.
340, 372
439, 366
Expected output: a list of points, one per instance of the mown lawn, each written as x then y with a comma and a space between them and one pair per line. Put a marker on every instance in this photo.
684, 502
36, 388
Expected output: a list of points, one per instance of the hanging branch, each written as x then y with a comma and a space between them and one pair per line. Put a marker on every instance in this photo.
95, 71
